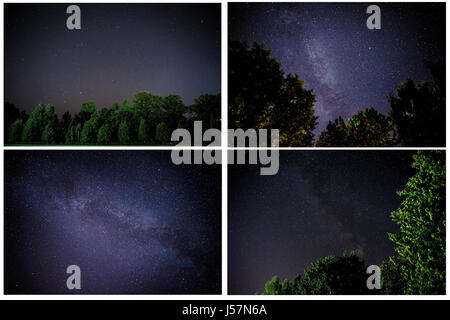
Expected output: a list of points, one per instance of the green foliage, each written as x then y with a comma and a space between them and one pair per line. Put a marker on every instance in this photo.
161, 133
421, 217
34, 126
15, 132
418, 110
49, 134
104, 135
88, 135
126, 105
368, 128
132, 124
392, 281
11, 114
144, 133
124, 133
328, 275
88, 107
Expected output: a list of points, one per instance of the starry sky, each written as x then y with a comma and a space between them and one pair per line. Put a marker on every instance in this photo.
329, 46
320, 203
120, 50
132, 221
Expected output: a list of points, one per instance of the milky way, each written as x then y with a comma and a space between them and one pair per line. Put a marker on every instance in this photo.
328, 44
132, 221
320, 203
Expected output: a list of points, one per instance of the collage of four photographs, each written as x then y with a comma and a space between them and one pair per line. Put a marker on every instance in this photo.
345, 193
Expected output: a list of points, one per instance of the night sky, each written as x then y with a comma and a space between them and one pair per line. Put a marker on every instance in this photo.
320, 203
131, 220
121, 49
328, 44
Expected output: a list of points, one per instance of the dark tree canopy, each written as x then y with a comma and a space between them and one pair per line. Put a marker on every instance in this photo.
260, 96
368, 128
418, 110
328, 275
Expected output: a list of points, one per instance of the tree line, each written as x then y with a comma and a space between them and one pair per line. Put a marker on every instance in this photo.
262, 96
146, 120
419, 265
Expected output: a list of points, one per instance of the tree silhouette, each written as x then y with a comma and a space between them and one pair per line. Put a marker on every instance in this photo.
15, 132
418, 110
392, 280
207, 109
368, 128
260, 96
328, 275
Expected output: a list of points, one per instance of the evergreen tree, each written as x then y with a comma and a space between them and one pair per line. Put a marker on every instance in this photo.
15, 132
88, 135
49, 135
104, 135
161, 133
124, 133
144, 131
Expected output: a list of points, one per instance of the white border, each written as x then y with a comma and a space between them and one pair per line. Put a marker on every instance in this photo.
224, 69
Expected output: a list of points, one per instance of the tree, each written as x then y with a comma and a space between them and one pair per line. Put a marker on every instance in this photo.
255, 79
11, 114
392, 281
126, 105
418, 110
161, 133
124, 133
421, 217
206, 108
368, 128
49, 135
88, 135
104, 135
71, 136
173, 111
144, 134
15, 132
88, 107
328, 275
292, 114
146, 105
32, 131
260, 96
64, 126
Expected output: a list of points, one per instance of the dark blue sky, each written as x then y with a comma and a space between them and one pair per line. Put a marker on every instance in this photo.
328, 44
131, 220
320, 203
121, 49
